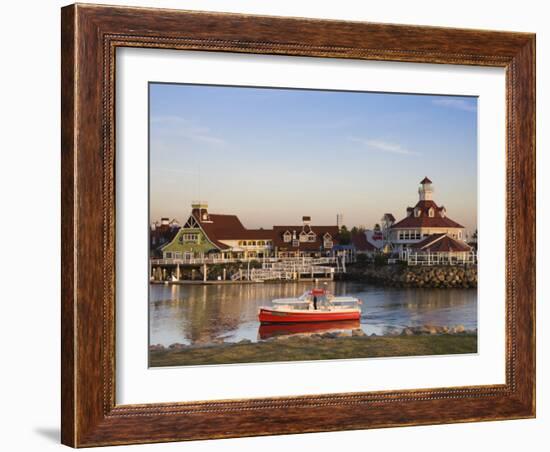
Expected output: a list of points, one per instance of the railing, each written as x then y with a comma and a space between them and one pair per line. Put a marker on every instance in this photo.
271, 269
263, 260
287, 270
441, 258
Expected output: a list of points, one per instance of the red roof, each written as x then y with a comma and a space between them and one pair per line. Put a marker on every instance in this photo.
436, 243
229, 227
439, 220
320, 231
361, 243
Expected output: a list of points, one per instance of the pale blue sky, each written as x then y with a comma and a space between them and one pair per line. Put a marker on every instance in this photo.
273, 155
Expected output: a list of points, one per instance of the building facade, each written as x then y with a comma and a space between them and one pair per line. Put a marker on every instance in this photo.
423, 220
216, 236
304, 240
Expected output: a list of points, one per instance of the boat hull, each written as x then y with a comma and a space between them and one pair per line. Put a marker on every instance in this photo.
267, 316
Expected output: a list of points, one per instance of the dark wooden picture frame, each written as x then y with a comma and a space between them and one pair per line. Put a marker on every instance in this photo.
90, 36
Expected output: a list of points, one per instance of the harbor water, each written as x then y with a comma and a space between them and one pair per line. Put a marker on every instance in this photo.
209, 314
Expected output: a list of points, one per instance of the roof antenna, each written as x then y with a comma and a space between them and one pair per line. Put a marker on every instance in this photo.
200, 202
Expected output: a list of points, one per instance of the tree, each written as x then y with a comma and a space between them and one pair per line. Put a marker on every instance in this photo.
345, 236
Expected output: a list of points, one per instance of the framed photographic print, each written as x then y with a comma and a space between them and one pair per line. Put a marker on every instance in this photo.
281, 225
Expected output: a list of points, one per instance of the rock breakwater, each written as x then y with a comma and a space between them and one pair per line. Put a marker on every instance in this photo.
405, 276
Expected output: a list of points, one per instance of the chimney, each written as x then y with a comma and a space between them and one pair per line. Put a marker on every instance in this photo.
200, 211
306, 220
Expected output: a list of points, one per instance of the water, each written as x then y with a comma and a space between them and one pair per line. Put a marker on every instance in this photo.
203, 314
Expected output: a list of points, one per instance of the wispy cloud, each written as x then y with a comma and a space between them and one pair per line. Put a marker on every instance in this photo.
186, 128
383, 146
457, 104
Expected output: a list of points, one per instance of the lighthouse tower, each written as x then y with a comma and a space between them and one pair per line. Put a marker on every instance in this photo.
425, 191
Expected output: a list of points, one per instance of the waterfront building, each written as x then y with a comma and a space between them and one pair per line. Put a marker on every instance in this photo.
426, 219
217, 236
362, 245
161, 233
440, 249
304, 240
375, 237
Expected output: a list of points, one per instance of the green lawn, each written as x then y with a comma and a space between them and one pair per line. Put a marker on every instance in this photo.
315, 348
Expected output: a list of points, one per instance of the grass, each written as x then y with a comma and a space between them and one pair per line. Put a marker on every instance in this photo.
314, 348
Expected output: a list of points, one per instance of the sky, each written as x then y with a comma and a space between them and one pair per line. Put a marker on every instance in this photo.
271, 156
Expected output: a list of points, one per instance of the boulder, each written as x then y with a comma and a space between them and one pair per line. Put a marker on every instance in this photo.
459, 329
156, 347
330, 335
177, 346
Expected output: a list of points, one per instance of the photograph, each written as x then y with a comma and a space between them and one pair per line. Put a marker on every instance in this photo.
294, 224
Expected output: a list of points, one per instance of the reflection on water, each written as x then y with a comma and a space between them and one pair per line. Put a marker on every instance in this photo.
273, 330
203, 314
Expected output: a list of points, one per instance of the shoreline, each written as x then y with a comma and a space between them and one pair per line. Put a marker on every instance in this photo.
316, 347
433, 277
229, 282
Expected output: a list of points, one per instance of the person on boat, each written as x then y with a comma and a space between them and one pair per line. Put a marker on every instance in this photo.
314, 301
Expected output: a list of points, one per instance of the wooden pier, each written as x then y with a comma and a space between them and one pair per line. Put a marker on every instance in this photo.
270, 269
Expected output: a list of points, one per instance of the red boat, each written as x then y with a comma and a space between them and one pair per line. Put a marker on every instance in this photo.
316, 305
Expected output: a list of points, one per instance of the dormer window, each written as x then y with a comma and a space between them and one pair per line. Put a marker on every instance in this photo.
417, 212
311, 237
287, 237
303, 236
431, 212
327, 241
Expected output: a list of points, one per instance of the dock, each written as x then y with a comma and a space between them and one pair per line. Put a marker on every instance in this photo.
241, 271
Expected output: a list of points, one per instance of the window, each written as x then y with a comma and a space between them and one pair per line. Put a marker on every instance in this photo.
431, 212
303, 236
295, 243
189, 237
417, 212
311, 237
287, 237
261, 243
168, 255
459, 234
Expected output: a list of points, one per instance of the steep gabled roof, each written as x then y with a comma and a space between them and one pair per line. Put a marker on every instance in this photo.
361, 243
424, 220
229, 227
320, 231
436, 243
426, 181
